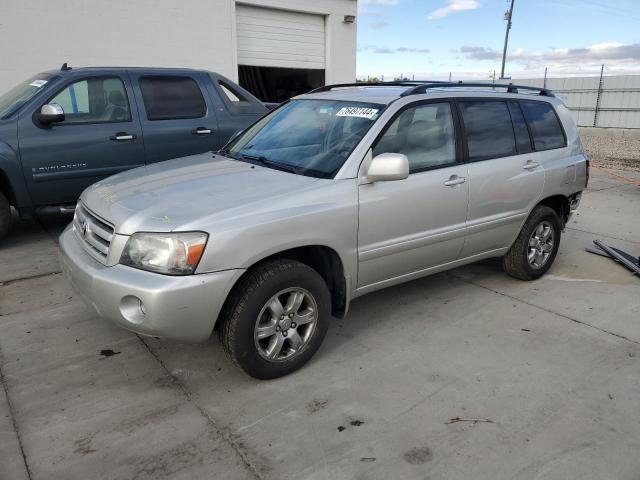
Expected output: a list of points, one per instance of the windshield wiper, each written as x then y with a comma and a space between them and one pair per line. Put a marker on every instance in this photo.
270, 163
226, 153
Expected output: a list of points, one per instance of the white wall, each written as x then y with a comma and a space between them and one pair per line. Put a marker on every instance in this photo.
37, 35
619, 99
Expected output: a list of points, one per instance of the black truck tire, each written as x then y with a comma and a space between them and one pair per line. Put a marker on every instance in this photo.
531, 247
244, 313
6, 219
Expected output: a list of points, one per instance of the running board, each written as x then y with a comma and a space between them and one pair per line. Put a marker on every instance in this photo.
619, 256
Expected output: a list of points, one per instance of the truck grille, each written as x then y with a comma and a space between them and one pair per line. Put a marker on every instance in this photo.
94, 233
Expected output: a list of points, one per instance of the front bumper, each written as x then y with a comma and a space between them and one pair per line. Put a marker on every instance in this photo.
183, 308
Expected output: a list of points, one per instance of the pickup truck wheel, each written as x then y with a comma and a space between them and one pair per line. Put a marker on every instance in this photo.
6, 219
275, 318
536, 247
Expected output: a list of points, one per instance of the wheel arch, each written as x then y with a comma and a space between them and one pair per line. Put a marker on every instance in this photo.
324, 260
560, 204
6, 189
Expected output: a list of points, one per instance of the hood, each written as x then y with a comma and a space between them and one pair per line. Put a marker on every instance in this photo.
167, 195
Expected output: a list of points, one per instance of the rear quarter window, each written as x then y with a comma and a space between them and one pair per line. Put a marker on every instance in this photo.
544, 124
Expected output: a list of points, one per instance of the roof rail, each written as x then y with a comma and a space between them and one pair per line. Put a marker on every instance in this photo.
511, 88
399, 83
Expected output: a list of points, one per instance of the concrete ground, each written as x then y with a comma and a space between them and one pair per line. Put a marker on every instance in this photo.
553, 364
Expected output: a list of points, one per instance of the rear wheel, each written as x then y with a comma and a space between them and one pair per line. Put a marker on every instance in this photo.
6, 219
535, 249
276, 318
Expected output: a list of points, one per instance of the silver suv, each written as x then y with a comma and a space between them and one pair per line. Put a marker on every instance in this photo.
335, 194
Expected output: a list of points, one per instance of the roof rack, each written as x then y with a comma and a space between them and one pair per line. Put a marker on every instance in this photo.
399, 83
511, 88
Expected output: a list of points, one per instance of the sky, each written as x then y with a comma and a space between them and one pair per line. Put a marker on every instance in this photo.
427, 39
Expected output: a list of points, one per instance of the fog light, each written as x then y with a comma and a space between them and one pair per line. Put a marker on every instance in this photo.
133, 309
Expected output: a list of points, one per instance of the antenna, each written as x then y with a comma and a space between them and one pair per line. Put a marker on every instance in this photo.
65, 67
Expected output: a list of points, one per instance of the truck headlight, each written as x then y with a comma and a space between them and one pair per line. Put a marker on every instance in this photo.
176, 253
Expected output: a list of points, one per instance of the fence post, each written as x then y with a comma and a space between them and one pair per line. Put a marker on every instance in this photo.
595, 114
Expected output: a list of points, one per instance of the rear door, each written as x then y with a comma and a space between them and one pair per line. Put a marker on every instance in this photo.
236, 108
100, 136
177, 118
505, 179
408, 226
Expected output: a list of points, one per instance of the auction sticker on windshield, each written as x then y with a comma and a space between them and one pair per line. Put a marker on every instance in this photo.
361, 112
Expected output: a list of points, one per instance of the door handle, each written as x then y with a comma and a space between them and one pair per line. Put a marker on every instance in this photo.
530, 165
122, 137
202, 131
454, 180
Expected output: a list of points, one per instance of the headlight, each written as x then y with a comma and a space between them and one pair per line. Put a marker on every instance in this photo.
169, 253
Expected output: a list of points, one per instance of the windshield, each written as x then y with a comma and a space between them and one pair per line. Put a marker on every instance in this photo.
11, 101
311, 137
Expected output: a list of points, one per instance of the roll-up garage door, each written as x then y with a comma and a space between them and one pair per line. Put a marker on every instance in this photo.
280, 38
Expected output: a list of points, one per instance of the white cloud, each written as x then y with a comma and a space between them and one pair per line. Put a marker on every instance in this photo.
453, 6
479, 62
617, 57
378, 2
599, 53
388, 51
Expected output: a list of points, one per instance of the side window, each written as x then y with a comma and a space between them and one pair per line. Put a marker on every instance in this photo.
170, 98
94, 100
523, 141
488, 128
231, 93
545, 126
425, 134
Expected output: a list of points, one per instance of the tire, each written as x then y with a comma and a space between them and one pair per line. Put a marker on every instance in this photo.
6, 219
250, 313
517, 261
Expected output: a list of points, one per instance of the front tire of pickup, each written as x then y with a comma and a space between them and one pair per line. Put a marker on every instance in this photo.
536, 247
275, 318
6, 219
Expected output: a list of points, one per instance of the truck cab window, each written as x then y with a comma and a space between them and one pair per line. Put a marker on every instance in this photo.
94, 100
172, 97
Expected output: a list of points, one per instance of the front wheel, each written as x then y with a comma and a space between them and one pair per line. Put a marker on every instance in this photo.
276, 318
535, 249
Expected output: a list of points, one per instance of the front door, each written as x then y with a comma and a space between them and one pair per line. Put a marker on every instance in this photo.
411, 225
100, 136
178, 119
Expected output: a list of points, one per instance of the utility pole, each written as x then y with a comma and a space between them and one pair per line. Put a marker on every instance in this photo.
507, 17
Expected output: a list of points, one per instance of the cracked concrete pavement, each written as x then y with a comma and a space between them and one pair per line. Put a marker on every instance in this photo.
553, 363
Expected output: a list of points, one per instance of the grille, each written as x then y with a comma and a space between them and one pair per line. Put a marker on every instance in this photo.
95, 234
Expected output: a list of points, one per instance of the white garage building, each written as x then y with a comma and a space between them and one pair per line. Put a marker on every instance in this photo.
275, 48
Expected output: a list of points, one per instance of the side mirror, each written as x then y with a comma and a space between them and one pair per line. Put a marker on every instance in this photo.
387, 167
50, 113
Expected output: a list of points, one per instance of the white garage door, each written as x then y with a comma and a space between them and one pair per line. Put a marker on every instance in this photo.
279, 38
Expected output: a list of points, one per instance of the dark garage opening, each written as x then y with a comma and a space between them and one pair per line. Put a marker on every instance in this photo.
272, 84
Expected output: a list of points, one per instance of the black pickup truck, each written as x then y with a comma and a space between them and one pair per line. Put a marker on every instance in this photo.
61, 131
